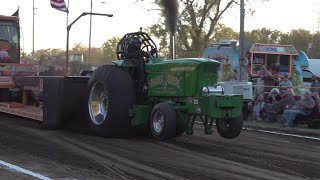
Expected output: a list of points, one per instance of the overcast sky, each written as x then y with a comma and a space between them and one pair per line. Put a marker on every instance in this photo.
50, 24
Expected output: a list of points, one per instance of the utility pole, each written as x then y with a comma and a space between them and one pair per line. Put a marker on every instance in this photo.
241, 43
318, 30
90, 33
68, 34
33, 31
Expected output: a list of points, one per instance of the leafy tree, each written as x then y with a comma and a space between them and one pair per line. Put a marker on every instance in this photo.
41, 54
23, 55
109, 49
96, 55
158, 31
79, 48
223, 32
196, 25
300, 38
57, 52
263, 35
314, 52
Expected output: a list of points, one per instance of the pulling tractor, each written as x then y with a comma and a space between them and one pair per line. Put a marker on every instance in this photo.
139, 92
164, 96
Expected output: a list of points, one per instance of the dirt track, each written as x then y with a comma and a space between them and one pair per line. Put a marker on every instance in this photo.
72, 155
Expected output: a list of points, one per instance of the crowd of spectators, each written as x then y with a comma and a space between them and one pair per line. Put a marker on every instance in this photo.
278, 102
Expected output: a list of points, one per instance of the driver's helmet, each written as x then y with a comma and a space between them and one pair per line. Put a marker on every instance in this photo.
134, 44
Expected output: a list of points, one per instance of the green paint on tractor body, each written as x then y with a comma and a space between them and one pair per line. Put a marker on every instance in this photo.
180, 77
170, 95
180, 82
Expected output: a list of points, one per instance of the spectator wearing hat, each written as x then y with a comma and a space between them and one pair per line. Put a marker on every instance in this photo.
285, 83
274, 96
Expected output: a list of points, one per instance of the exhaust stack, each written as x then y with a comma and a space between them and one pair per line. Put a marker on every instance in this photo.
173, 46
170, 11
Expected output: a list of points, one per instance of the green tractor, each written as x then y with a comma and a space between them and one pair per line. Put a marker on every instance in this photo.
164, 97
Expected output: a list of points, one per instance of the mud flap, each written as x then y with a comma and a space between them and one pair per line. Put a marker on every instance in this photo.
64, 102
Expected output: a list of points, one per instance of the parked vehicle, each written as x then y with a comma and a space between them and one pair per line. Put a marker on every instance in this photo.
311, 71
314, 66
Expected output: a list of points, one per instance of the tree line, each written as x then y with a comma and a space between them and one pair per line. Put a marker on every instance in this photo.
198, 24
302, 40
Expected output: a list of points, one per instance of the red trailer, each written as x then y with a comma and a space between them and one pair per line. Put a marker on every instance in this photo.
24, 88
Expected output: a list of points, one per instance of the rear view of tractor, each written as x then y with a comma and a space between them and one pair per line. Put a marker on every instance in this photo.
163, 96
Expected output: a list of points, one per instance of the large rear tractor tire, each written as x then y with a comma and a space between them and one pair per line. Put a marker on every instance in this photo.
110, 96
163, 121
229, 128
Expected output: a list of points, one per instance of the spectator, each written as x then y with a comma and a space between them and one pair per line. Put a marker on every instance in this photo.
315, 85
273, 111
304, 107
275, 67
289, 93
285, 83
258, 107
268, 79
274, 96
316, 98
288, 98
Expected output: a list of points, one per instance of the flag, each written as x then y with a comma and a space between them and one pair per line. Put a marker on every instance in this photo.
16, 13
59, 5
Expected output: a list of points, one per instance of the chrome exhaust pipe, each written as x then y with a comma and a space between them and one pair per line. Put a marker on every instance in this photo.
173, 47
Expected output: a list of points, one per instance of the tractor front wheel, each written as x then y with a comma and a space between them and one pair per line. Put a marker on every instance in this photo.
163, 121
229, 128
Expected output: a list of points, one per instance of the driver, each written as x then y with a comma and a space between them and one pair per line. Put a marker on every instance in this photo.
134, 52
134, 48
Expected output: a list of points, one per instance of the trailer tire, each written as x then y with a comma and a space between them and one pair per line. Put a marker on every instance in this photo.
163, 121
229, 128
110, 96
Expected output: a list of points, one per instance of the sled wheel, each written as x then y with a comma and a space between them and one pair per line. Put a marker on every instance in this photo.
229, 128
110, 96
163, 121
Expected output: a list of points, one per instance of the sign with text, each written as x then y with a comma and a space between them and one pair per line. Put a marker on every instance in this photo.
273, 49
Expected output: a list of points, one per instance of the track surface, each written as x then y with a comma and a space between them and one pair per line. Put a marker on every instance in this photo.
73, 155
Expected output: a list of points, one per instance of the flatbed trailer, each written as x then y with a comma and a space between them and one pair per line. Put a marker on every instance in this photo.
62, 98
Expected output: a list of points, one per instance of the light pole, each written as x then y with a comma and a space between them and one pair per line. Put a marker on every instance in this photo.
33, 31
90, 30
241, 43
68, 30
89, 58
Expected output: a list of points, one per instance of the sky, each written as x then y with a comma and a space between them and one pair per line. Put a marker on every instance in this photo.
128, 16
